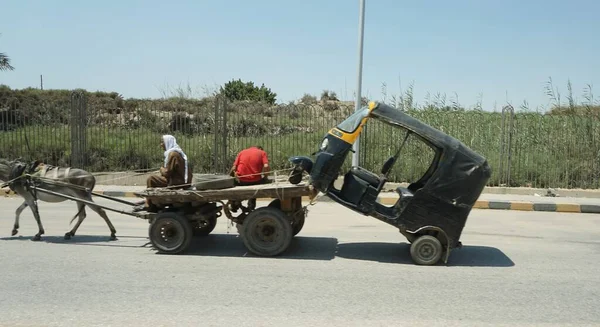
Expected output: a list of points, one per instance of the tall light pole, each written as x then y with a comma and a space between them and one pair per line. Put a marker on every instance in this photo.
361, 31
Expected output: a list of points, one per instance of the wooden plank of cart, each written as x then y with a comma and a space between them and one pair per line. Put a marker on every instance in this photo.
180, 215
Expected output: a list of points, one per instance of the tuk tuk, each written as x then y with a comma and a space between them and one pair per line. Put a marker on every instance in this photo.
432, 211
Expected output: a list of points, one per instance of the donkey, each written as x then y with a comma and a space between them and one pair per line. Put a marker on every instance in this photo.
57, 180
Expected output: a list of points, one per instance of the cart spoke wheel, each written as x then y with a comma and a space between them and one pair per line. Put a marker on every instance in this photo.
267, 231
170, 233
426, 250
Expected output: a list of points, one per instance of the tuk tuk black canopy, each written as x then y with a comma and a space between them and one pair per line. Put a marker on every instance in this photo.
457, 174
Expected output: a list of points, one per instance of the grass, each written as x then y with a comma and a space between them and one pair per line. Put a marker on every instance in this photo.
546, 151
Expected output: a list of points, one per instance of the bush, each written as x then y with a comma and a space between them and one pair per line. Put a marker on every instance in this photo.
308, 99
236, 90
329, 95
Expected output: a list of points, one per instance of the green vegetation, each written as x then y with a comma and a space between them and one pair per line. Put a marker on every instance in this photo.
237, 90
559, 148
5, 62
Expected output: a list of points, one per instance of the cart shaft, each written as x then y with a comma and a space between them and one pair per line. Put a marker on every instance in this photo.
86, 202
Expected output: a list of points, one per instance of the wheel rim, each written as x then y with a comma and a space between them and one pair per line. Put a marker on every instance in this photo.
265, 233
203, 225
168, 234
426, 251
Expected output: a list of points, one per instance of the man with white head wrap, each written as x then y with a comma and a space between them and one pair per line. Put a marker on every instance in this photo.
175, 172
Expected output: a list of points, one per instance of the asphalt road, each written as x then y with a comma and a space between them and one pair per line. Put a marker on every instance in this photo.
515, 269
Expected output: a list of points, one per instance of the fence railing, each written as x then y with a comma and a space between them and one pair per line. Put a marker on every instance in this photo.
99, 134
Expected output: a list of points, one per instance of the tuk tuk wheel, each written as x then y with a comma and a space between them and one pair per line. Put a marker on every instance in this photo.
267, 231
170, 233
426, 250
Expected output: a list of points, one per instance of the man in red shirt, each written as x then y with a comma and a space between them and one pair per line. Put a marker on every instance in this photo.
251, 166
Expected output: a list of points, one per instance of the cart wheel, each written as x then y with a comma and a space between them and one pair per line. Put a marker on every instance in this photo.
170, 233
426, 250
267, 231
204, 227
297, 223
275, 204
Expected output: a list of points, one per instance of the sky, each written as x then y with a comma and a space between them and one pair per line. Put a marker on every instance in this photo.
495, 51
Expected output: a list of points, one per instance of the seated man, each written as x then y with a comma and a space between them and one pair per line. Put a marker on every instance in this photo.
174, 173
251, 167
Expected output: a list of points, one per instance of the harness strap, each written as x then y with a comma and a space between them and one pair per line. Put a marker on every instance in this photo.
44, 171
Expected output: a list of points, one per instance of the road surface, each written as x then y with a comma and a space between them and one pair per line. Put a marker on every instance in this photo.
515, 269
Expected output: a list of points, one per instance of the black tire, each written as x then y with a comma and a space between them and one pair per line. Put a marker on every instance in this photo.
275, 204
214, 182
297, 223
267, 231
426, 250
170, 233
295, 176
203, 228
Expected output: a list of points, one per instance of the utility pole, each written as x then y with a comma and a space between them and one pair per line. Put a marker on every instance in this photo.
361, 30
41, 82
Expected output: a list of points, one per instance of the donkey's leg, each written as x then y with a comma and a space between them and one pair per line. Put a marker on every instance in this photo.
81, 214
104, 216
17, 216
36, 214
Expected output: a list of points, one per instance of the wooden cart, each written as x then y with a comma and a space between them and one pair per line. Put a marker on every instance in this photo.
266, 231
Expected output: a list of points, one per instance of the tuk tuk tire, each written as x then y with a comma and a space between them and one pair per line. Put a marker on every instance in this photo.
297, 224
426, 250
265, 223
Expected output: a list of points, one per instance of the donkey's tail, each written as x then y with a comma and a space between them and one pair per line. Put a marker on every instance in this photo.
77, 214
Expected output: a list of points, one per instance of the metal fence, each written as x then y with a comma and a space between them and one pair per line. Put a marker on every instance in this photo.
107, 133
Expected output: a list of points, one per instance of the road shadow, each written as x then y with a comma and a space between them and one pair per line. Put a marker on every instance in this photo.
213, 245
231, 245
301, 248
90, 240
399, 253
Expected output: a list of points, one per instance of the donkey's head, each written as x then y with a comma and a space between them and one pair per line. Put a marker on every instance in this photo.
9, 167
5, 169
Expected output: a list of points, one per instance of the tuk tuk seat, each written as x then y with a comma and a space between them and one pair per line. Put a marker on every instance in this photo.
405, 193
366, 175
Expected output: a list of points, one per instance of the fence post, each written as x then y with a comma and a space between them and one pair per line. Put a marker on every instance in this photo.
506, 144
220, 164
217, 103
78, 129
225, 165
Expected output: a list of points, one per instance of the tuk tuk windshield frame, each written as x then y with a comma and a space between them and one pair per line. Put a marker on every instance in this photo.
350, 124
